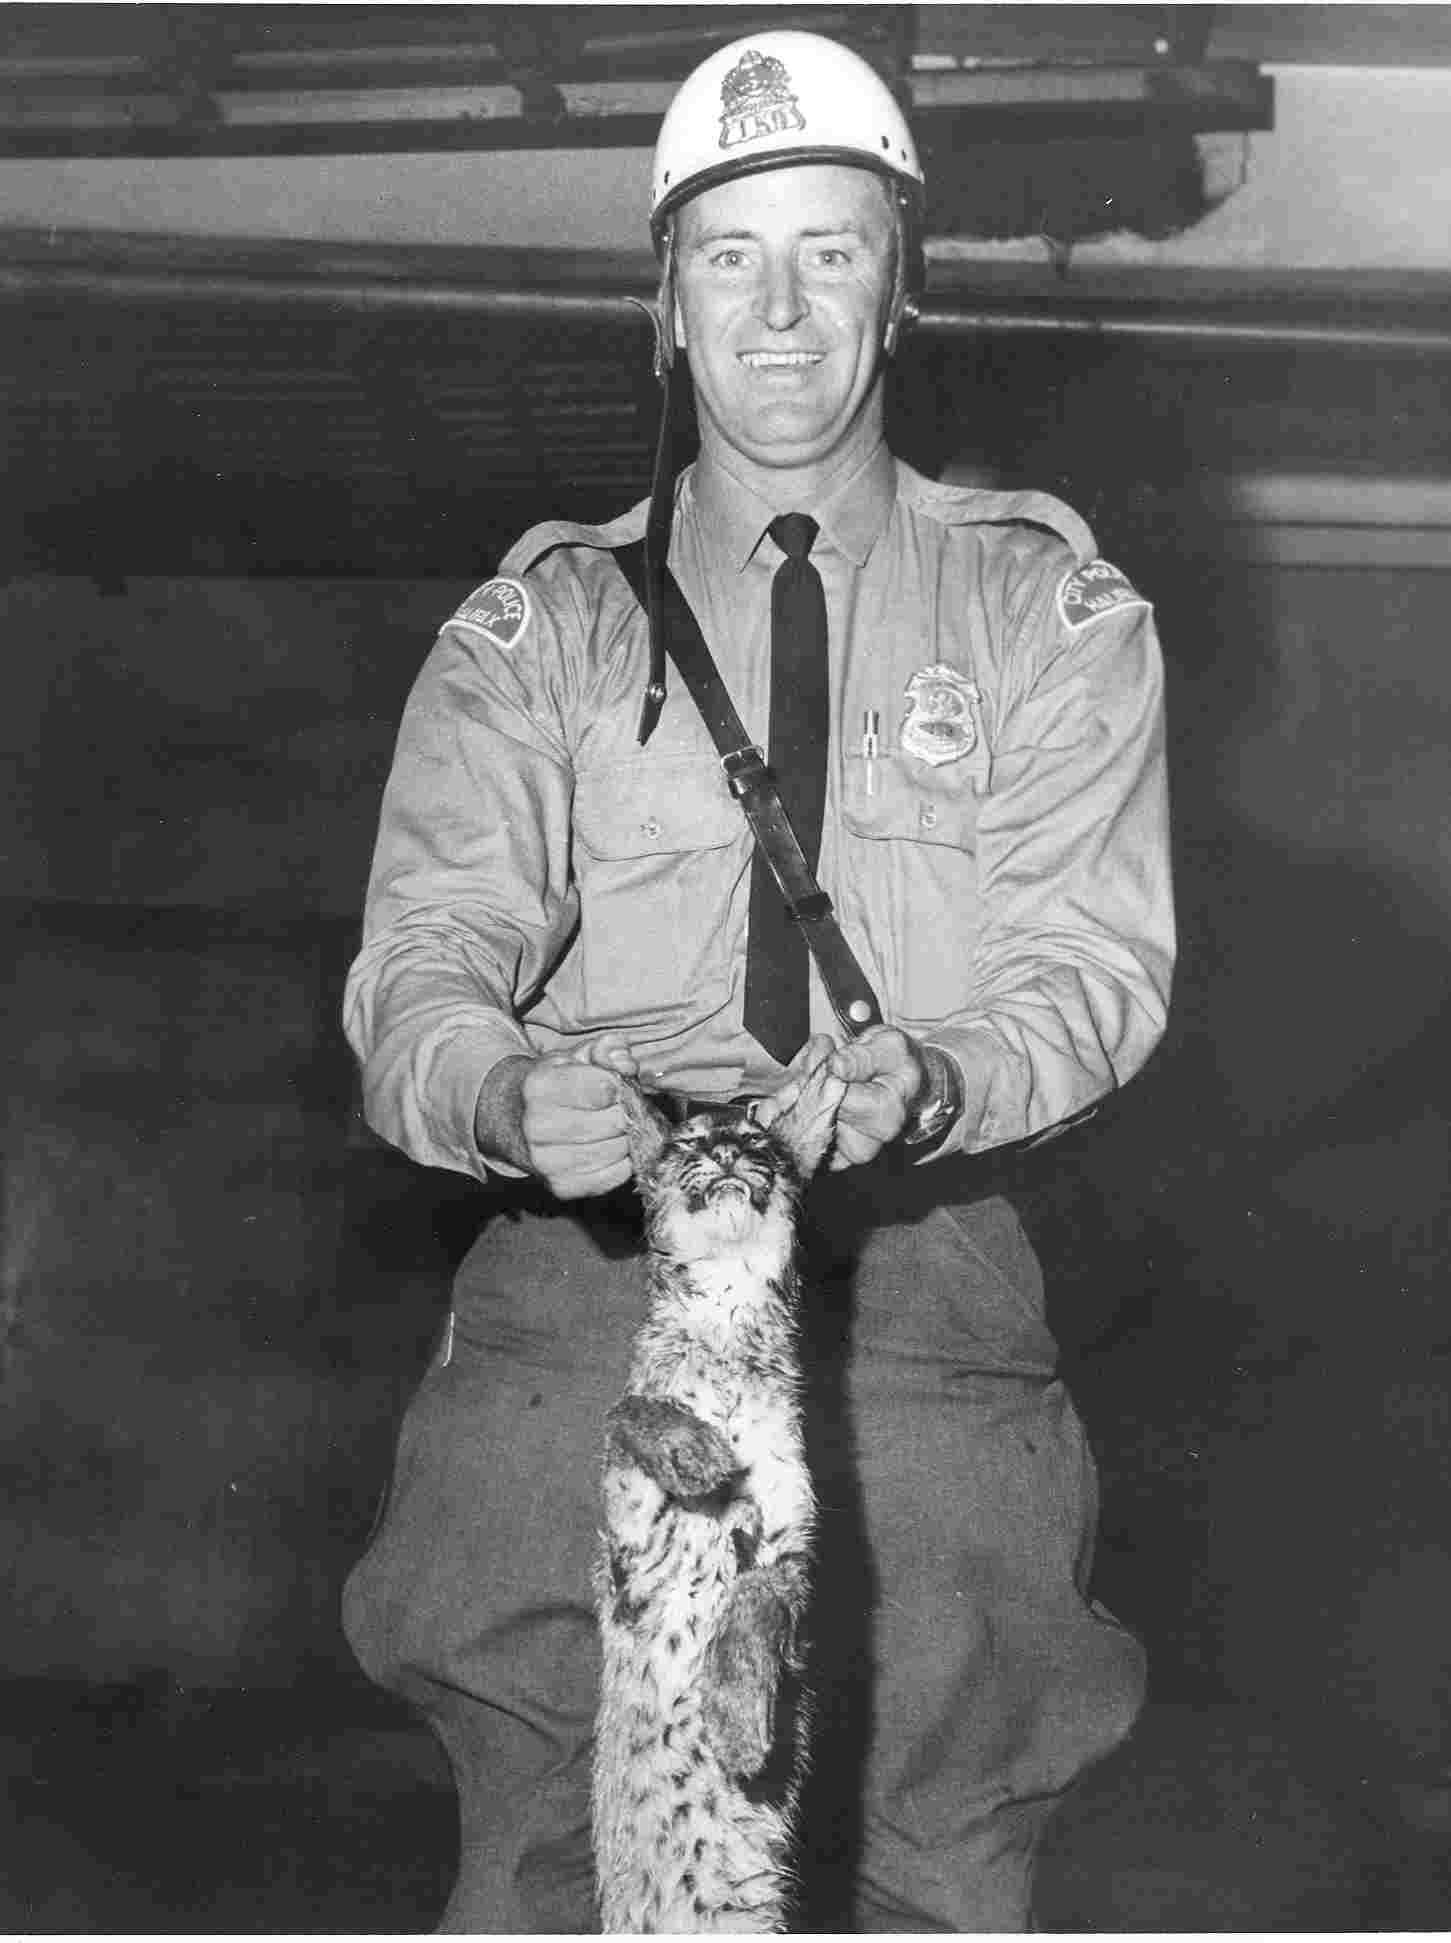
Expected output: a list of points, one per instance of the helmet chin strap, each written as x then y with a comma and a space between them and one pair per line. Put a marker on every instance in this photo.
673, 376
907, 275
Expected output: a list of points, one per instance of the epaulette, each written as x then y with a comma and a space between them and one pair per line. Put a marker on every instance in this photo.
539, 540
979, 506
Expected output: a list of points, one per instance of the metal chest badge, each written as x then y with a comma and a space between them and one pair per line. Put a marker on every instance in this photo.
756, 100
939, 726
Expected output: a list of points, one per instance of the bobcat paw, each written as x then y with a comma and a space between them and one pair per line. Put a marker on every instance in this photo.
743, 1667
742, 1523
740, 1726
684, 1455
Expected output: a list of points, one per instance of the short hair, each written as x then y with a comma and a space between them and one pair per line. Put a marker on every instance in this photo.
890, 200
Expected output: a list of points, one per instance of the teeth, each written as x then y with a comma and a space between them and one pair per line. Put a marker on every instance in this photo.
767, 359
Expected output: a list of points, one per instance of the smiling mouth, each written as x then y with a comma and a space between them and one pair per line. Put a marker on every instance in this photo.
780, 360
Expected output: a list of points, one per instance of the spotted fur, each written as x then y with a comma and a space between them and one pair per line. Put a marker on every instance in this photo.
701, 1741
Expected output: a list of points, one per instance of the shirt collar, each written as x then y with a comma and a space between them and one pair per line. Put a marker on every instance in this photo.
850, 519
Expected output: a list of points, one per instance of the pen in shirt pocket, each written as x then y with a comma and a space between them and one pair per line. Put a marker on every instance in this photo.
871, 746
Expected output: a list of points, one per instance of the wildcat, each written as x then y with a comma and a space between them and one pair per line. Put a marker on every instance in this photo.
708, 1511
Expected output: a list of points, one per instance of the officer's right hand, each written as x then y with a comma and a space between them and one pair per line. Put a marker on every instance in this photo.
558, 1116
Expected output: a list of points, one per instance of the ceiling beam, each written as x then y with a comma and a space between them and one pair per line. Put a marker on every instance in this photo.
129, 117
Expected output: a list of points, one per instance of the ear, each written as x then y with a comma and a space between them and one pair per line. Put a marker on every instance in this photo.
805, 1122
646, 1127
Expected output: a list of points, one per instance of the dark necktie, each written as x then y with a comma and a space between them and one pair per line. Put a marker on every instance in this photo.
777, 959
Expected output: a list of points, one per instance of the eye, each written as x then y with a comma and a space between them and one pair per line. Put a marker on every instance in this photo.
728, 259
832, 257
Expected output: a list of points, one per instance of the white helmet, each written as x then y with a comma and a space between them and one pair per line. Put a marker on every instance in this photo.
771, 100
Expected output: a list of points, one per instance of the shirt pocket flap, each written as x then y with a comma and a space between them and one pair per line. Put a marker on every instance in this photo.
645, 807
911, 807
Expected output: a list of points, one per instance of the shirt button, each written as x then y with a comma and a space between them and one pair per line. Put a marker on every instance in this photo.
650, 827
928, 816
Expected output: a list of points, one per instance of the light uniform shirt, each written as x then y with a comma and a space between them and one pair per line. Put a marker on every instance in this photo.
999, 866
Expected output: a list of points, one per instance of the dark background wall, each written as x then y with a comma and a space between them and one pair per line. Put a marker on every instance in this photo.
217, 1288
195, 1379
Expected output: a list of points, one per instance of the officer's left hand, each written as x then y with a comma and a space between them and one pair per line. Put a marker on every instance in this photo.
884, 1074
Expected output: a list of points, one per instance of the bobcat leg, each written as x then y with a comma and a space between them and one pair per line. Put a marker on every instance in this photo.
657, 1453
676, 1450
754, 1644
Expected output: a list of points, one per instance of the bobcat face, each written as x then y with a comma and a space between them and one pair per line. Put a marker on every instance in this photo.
725, 1183
712, 1163
719, 1187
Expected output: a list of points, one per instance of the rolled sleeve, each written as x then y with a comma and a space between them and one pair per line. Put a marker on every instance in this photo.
1075, 953
469, 899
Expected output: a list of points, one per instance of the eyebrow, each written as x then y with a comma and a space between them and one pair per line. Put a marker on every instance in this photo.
847, 228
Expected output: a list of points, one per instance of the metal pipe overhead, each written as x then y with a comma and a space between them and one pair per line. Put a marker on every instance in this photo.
357, 295
352, 294
1261, 334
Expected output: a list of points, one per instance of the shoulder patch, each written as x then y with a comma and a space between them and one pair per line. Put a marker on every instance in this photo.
1094, 590
499, 610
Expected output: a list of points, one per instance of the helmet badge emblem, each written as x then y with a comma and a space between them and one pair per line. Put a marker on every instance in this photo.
756, 100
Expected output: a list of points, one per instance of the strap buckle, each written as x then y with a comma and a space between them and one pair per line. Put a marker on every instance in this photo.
811, 909
746, 771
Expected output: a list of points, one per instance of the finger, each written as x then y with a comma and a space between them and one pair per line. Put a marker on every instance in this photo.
872, 1111
576, 1186
852, 1149
612, 1051
827, 1090
819, 1090
577, 1084
864, 1058
817, 1048
581, 1159
858, 1139
567, 1126
771, 1106
802, 1068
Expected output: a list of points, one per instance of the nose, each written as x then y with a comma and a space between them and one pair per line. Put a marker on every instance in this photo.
781, 299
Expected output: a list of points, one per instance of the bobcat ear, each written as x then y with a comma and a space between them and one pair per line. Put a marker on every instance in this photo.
802, 1115
647, 1128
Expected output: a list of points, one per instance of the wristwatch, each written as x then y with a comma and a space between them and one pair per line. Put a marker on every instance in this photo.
938, 1104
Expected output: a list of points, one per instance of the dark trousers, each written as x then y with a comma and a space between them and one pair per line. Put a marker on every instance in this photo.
961, 1678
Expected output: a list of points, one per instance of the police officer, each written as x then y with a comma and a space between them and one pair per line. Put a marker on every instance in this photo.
550, 897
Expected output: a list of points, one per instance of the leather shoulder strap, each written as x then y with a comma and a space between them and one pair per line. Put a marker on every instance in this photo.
685, 644
753, 785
